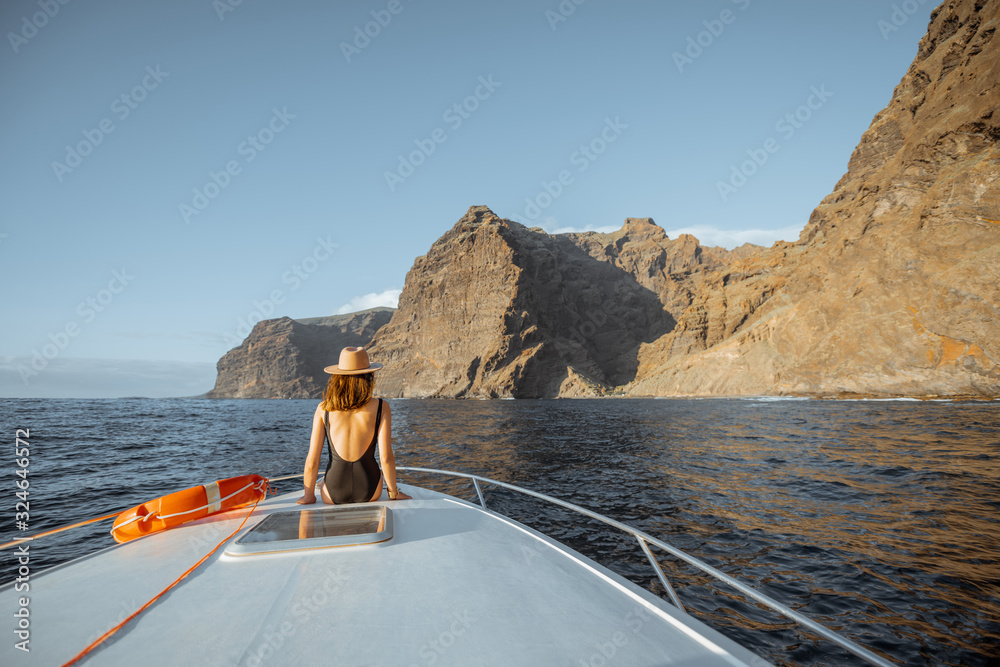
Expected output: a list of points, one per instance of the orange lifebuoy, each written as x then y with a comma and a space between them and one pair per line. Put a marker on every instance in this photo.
187, 505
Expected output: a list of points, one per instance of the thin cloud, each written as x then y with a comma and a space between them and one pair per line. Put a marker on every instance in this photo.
706, 235
732, 238
551, 226
387, 299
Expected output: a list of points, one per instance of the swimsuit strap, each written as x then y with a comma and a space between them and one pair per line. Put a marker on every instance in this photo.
328, 439
378, 420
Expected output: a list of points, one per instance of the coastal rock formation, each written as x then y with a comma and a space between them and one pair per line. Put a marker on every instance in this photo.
284, 358
495, 309
892, 288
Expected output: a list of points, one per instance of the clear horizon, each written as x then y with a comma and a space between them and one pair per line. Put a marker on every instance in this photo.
177, 170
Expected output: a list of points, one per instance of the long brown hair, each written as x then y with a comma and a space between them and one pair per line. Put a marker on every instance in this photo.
348, 392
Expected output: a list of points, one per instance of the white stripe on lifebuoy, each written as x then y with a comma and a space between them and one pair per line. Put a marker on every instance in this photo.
212, 495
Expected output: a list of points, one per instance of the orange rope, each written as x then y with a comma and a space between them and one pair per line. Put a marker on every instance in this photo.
176, 581
57, 530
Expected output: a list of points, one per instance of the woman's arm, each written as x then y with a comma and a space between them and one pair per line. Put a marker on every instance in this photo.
385, 454
312, 459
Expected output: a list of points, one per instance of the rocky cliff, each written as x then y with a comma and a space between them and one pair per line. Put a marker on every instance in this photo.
284, 358
497, 309
892, 288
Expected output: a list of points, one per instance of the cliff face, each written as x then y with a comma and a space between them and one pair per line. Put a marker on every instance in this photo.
497, 309
893, 288
284, 358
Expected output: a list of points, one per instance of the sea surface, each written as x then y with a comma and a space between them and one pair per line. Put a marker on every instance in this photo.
879, 519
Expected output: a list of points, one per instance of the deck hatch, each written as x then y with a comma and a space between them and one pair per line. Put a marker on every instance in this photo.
313, 529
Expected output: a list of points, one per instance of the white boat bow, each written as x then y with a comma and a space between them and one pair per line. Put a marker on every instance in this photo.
434, 580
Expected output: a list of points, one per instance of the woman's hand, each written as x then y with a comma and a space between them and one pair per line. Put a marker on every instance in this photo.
399, 496
308, 498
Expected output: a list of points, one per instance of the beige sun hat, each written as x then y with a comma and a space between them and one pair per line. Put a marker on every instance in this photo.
353, 361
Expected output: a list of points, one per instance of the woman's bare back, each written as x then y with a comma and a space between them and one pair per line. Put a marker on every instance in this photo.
351, 431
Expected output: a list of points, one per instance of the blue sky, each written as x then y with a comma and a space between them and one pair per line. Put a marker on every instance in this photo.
175, 171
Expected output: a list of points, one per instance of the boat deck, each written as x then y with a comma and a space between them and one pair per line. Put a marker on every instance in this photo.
455, 585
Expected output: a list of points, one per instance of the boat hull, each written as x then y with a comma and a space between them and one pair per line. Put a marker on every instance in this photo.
455, 585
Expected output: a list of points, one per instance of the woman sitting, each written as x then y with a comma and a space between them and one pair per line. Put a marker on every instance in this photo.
352, 422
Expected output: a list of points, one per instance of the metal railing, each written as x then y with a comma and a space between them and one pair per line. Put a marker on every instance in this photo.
645, 540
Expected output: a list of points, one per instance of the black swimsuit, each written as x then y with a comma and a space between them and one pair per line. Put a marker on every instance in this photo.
352, 481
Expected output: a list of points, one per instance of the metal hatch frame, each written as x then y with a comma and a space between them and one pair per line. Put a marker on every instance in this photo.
252, 543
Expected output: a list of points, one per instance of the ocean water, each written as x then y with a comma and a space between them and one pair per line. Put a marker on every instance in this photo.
879, 519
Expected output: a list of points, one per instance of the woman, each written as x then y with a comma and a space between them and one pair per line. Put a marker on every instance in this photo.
353, 423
